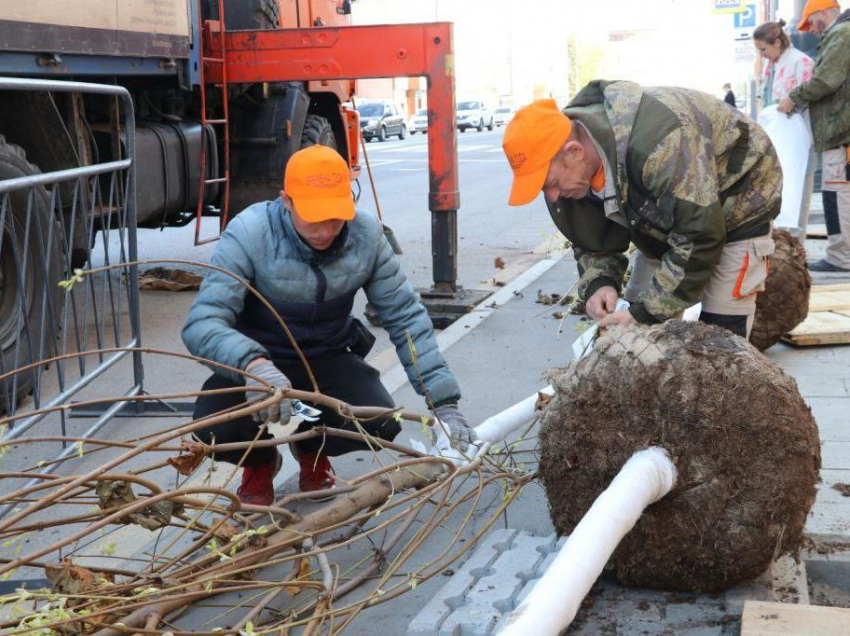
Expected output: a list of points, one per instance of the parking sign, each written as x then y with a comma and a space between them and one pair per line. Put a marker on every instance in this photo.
747, 18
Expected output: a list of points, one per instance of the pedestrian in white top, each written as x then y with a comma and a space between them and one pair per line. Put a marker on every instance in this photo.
786, 68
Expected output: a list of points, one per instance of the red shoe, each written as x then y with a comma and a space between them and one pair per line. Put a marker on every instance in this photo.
257, 486
316, 474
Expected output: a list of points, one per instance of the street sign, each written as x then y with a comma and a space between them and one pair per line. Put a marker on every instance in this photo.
747, 18
729, 6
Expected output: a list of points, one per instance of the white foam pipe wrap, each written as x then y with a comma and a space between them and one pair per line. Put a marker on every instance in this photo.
497, 428
553, 602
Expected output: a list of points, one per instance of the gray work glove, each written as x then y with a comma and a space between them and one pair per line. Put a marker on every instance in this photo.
460, 431
280, 412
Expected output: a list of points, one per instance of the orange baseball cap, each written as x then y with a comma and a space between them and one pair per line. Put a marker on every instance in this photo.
813, 6
532, 139
318, 182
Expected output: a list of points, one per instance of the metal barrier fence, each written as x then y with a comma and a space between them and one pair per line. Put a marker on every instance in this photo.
51, 225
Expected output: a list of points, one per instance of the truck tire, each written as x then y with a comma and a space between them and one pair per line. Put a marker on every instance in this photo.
38, 277
246, 15
318, 131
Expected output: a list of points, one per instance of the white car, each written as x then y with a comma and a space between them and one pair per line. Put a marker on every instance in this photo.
502, 116
473, 114
419, 122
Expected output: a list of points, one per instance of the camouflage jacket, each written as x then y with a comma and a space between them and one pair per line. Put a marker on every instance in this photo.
828, 92
685, 173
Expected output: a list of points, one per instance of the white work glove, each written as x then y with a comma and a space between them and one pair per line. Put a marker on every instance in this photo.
460, 431
280, 412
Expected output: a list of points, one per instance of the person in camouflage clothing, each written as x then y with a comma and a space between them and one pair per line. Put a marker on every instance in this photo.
690, 181
827, 96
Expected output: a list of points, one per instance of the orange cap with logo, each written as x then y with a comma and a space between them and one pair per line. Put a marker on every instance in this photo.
813, 6
318, 182
532, 139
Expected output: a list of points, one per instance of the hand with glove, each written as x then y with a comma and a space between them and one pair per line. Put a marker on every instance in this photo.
271, 375
460, 431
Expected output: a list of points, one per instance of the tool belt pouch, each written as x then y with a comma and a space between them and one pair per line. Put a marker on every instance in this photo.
362, 339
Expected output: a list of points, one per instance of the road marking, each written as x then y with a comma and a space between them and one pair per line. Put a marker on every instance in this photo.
417, 148
385, 162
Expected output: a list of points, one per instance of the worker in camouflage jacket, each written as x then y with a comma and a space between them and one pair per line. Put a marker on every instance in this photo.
689, 181
827, 96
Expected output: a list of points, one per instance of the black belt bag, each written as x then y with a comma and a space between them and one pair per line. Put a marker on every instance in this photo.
363, 339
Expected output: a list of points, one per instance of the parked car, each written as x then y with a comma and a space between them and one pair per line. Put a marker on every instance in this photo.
380, 120
419, 122
502, 115
473, 114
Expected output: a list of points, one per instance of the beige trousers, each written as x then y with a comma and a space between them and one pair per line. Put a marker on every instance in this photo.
731, 291
836, 207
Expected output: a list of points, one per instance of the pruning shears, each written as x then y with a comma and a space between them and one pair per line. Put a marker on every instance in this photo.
305, 412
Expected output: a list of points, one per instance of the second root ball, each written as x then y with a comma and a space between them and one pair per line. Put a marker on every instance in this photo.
784, 303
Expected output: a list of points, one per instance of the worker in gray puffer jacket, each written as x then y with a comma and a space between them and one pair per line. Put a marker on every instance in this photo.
308, 253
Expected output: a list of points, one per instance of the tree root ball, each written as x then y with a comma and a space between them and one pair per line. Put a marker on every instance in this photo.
744, 443
784, 303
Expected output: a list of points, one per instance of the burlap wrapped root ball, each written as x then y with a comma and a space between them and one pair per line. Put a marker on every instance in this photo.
744, 443
784, 303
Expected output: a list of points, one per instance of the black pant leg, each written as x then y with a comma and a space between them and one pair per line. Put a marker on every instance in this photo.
347, 377
243, 429
735, 324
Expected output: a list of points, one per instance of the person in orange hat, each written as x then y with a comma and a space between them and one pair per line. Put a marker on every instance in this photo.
827, 97
308, 253
691, 182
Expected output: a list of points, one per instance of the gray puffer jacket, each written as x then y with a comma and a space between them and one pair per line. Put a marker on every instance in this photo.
314, 293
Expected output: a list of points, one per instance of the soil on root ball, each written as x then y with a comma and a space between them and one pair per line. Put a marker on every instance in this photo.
744, 443
784, 303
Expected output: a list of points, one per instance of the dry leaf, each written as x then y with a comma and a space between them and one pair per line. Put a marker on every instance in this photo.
116, 494
499, 263
304, 570
191, 456
67, 578
499, 283
558, 315
226, 531
163, 279
553, 299
546, 299
844, 489
542, 400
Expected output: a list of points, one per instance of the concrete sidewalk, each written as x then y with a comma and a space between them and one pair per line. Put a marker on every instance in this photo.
500, 354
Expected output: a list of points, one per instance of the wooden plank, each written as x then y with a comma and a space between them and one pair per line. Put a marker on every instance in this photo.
829, 300
822, 327
761, 618
817, 231
816, 289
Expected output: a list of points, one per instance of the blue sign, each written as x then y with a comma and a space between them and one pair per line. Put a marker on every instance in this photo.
747, 18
